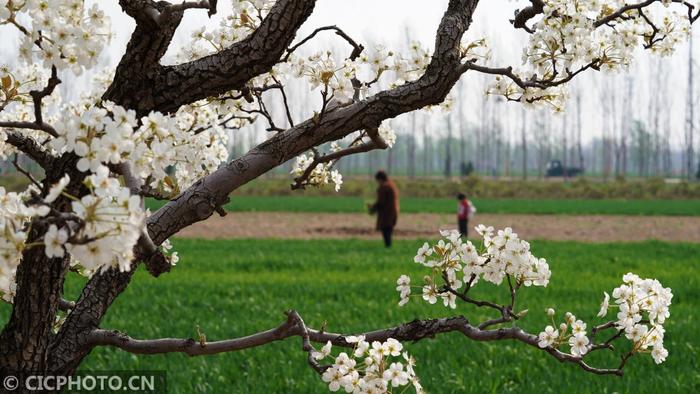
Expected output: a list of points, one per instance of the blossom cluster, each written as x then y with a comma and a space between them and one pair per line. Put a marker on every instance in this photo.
245, 18
643, 308
322, 174
110, 223
387, 134
63, 33
370, 368
99, 232
190, 142
577, 339
324, 71
15, 214
569, 37
459, 263
16, 103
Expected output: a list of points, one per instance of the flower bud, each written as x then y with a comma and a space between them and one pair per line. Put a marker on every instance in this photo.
569, 317
562, 327
549, 312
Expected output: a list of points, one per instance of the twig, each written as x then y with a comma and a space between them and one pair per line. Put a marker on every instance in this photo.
39, 95
375, 142
65, 305
357, 48
25, 172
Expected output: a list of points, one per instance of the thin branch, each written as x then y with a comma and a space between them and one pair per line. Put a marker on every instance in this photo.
25, 172
532, 82
65, 305
620, 12
293, 326
290, 120
39, 95
357, 48
48, 129
375, 142
420, 329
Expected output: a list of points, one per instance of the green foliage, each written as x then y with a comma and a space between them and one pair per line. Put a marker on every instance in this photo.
348, 204
234, 288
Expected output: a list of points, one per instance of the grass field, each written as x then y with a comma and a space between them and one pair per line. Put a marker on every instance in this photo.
233, 288
431, 205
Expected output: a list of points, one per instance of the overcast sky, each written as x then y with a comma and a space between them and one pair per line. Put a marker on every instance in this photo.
387, 22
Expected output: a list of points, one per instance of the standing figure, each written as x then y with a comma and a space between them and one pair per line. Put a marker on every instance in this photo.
387, 206
465, 210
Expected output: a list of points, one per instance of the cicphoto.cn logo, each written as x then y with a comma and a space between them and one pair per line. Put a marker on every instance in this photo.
89, 382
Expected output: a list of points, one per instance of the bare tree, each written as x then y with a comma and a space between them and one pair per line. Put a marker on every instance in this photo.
523, 141
608, 127
690, 116
627, 120
448, 147
412, 146
462, 124
565, 144
579, 132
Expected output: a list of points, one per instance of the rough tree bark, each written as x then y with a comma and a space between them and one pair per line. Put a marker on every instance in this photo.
144, 85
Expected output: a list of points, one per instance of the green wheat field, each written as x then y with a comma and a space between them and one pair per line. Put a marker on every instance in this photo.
233, 288
351, 204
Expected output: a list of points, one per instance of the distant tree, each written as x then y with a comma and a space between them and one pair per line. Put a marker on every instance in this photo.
690, 114
467, 169
448, 148
523, 142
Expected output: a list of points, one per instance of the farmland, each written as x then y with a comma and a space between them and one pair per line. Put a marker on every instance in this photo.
353, 204
235, 287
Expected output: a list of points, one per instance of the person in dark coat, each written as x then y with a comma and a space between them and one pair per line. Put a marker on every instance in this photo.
387, 206
464, 210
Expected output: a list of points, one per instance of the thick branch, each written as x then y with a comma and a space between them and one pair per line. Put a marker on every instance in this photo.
30, 147
293, 326
167, 88
526, 14
199, 201
411, 332
191, 346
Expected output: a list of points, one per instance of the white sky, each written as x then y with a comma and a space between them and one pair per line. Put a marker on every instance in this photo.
387, 22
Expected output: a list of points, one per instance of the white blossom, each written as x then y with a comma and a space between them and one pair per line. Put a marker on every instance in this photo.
579, 345
54, 241
604, 305
547, 337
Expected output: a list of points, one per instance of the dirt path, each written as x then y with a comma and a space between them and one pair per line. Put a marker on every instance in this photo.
531, 227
